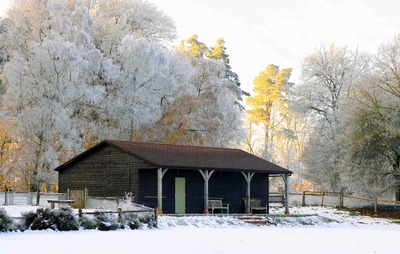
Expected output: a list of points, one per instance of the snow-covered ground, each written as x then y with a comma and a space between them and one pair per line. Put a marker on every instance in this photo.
325, 230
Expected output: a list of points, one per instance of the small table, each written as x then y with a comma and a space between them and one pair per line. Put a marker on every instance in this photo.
53, 201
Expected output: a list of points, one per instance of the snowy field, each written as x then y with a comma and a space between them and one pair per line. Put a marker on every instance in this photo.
327, 230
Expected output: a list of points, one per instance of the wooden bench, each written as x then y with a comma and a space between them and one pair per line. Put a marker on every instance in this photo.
214, 204
276, 198
54, 201
255, 204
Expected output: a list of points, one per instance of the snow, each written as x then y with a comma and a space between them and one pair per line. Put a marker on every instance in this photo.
320, 230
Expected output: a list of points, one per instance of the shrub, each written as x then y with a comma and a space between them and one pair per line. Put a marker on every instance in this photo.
27, 219
105, 222
6, 222
61, 219
135, 220
88, 223
65, 219
135, 224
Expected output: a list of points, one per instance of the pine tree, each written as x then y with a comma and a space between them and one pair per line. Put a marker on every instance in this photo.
218, 52
270, 87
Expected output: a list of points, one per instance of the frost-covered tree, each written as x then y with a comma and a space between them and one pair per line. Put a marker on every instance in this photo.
130, 34
115, 19
76, 72
146, 84
369, 143
371, 140
204, 109
51, 65
327, 78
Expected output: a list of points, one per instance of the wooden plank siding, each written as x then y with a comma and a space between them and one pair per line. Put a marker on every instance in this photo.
105, 172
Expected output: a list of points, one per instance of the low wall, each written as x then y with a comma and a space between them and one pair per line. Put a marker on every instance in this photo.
101, 202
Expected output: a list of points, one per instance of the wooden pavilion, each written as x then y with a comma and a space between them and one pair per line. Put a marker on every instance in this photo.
172, 178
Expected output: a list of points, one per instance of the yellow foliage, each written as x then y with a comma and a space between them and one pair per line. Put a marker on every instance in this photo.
217, 51
192, 47
269, 87
269, 90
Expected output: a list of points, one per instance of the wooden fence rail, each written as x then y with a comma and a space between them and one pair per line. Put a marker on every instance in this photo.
120, 213
340, 198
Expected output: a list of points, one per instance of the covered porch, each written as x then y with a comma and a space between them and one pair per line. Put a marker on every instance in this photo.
199, 191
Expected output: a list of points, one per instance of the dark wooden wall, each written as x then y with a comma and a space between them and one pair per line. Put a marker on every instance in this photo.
105, 172
229, 186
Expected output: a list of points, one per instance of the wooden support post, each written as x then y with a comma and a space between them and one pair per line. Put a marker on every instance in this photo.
248, 178
375, 205
286, 180
206, 174
160, 174
303, 202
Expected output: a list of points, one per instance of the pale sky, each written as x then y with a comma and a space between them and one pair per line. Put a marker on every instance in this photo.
261, 32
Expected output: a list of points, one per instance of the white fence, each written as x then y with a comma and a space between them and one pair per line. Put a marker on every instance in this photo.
335, 199
28, 198
40, 199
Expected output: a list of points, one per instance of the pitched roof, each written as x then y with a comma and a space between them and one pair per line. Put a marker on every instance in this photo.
190, 157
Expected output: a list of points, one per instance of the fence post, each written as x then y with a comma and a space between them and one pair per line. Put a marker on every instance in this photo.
80, 214
303, 203
376, 205
323, 197
156, 217
10, 198
5, 197
119, 215
38, 197
340, 200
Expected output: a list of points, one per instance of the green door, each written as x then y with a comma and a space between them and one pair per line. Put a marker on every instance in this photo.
180, 195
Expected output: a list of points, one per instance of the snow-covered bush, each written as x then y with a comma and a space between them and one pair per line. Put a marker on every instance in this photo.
6, 222
126, 203
27, 219
88, 223
65, 219
131, 217
105, 222
61, 219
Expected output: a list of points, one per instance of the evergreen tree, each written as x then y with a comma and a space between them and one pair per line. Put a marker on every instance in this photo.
270, 88
218, 52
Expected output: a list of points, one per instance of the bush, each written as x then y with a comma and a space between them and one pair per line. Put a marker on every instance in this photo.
88, 223
134, 224
27, 219
61, 219
135, 220
65, 219
105, 222
6, 222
